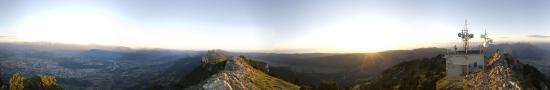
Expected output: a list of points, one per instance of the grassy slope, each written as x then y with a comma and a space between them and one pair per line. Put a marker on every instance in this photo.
267, 82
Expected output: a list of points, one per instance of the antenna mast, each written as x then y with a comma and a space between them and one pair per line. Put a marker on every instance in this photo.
486, 40
465, 36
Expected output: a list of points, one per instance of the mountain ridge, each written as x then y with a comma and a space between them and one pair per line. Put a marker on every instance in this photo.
236, 72
506, 72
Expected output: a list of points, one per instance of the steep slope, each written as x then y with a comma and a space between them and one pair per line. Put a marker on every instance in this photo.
419, 74
233, 73
506, 72
534, 54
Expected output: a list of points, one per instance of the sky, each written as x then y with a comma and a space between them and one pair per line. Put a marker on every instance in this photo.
273, 25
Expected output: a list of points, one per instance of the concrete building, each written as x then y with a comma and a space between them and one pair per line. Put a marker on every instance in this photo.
460, 64
466, 61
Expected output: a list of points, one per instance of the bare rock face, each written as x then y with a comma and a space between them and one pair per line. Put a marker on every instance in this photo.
239, 75
213, 57
506, 73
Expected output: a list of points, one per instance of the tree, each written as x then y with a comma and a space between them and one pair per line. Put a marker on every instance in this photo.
17, 82
47, 82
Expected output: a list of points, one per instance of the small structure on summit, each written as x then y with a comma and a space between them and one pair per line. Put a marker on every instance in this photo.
467, 60
213, 57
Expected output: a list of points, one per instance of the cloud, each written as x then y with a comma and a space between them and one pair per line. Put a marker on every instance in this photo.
5, 36
539, 36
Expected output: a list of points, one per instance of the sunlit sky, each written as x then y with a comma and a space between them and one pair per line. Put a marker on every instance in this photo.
273, 25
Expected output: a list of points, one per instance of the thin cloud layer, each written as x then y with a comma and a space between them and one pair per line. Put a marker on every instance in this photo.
539, 36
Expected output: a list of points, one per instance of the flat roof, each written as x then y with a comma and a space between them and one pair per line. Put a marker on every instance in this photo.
469, 52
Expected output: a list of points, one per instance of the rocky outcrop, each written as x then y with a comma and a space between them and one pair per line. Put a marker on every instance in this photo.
239, 75
506, 73
213, 57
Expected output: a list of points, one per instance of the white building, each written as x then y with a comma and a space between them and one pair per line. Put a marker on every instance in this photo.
460, 64
465, 61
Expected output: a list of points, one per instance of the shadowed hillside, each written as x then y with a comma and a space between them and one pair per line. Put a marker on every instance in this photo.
421, 74
343, 69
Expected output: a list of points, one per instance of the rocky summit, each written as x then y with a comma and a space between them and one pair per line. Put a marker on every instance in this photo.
503, 72
506, 73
